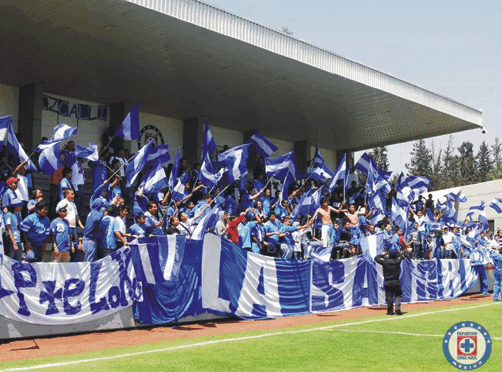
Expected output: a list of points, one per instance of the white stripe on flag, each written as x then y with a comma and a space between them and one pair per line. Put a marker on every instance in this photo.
145, 262
171, 255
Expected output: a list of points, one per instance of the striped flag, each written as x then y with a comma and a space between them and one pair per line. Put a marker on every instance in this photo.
279, 167
90, 152
4, 127
129, 129
264, 147
161, 153
158, 260
62, 132
496, 205
15, 148
208, 145
137, 163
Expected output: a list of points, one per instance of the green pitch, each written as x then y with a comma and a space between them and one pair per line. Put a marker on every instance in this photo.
381, 343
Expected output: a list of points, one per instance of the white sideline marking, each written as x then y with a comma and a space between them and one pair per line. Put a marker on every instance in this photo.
398, 333
62, 364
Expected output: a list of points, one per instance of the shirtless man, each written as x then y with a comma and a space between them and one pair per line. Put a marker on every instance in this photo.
325, 212
351, 214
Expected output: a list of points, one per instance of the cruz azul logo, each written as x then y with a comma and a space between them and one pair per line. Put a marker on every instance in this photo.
467, 345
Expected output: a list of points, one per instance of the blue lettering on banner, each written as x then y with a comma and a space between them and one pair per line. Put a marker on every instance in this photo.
325, 277
96, 307
123, 258
72, 288
50, 296
365, 283
20, 282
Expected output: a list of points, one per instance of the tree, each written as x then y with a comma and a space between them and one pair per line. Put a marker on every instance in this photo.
421, 160
381, 157
485, 163
449, 168
436, 179
466, 164
497, 153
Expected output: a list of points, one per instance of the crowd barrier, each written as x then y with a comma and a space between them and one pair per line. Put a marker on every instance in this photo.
215, 279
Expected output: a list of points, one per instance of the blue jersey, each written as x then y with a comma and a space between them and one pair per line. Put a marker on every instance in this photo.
36, 228
288, 239
106, 233
60, 230
245, 234
271, 227
139, 230
92, 224
497, 265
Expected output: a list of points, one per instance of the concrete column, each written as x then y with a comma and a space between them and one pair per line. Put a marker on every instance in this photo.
303, 154
30, 115
193, 130
118, 112
253, 155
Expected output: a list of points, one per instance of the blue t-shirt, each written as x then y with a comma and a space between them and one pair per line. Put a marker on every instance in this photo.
99, 173
245, 234
36, 228
7, 197
136, 229
106, 233
12, 219
60, 230
92, 224
271, 227
150, 222
69, 158
288, 239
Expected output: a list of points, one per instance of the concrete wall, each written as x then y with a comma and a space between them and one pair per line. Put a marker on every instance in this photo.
89, 131
223, 136
171, 129
283, 147
486, 191
9, 103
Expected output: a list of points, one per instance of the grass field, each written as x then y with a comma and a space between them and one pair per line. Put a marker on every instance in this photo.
381, 343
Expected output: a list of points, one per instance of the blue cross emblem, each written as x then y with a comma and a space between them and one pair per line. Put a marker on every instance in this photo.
467, 345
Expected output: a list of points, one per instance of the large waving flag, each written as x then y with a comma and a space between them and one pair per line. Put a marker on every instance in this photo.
281, 166
176, 166
160, 153
156, 179
235, 160
475, 209
322, 173
62, 132
457, 198
264, 147
288, 180
208, 144
160, 259
341, 174
208, 175
303, 206
14, 147
317, 160
4, 128
137, 163
207, 221
496, 205
49, 160
179, 190
90, 152
129, 129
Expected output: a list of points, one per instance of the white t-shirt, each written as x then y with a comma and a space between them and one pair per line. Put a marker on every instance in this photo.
71, 217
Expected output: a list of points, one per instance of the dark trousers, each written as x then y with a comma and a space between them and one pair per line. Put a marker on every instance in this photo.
393, 289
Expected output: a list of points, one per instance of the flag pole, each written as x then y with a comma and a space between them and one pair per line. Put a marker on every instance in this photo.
103, 148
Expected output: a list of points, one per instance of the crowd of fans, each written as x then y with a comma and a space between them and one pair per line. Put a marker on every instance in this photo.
252, 215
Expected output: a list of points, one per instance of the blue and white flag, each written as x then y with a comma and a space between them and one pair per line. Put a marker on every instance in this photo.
15, 148
457, 198
174, 171
208, 145
303, 206
316, 200
160, 153
179, 190
49, 160
62, 132
129, 129
496, 205
235, 160
317, 160
364, 162
160, 259
322, 173
475, 209
263, 146
156, 179
288, 180
4, 128
279, 167
208, 175
341, 174
137, 163
90, 152
208, 220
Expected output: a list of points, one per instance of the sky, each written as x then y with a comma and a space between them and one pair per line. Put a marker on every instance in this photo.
452, 48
